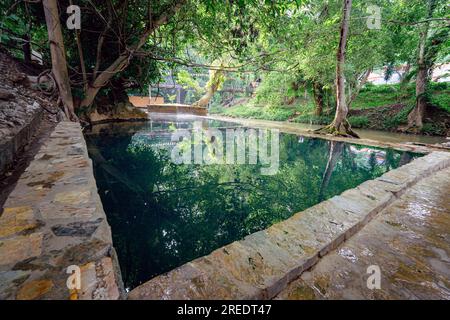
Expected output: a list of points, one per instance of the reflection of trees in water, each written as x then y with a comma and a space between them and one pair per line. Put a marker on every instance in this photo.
174, 213
334, 155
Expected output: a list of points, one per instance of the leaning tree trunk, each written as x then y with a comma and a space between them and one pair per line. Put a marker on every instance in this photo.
122, 61
58, 55
216, 79
103, 78
340, 125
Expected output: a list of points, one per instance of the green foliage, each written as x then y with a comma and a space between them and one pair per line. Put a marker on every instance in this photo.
275, 89
381, 95
440, 96
288, 44
257, 112
13, 23
434, 129
359, 121
185, 79
399, 119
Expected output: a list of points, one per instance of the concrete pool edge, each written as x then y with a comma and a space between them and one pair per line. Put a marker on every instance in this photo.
289, 127
54, 219
263, 263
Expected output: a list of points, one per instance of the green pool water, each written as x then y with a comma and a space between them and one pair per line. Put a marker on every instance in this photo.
164, 214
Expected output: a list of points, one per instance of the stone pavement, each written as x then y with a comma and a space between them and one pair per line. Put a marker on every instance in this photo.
54, 219
409, 241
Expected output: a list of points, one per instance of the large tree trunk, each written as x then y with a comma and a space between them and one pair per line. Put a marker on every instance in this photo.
215, 80
103, 78
415, 117
58, 54
319, 96
340, 124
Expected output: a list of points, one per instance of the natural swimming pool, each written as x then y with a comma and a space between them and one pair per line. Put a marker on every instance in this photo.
164, 214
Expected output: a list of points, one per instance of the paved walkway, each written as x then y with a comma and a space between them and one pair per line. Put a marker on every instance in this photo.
409, 241
54, 219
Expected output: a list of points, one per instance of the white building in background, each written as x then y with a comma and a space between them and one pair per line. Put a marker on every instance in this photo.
441, 73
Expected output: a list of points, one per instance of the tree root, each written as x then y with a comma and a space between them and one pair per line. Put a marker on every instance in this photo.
344, 129
411, 129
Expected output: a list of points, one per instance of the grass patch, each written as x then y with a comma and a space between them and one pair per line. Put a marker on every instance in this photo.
359, 121
387, 94
281, 113
441, 100
382, 95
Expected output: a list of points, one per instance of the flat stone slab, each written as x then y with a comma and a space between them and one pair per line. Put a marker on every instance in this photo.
264, 263
409, 242
54, 219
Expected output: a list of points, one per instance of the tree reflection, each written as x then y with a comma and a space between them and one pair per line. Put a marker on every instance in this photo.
163, 215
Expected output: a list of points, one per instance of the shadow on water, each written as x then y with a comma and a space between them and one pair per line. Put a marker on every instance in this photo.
163, 215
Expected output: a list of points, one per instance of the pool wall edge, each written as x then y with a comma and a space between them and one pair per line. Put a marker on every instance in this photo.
263, 263
53, 229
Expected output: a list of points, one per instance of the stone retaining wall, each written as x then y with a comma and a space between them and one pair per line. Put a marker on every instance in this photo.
54, 219
263, 263
20, 111
11, 146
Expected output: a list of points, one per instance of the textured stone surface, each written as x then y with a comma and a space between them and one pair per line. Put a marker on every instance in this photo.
262, 264
20, 111
54, 219
409, 241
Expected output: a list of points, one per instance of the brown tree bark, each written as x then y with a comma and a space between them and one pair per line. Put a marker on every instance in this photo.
340, 125
319, 96
58, 56
124, 58
26, 48
216, 79
415, 117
